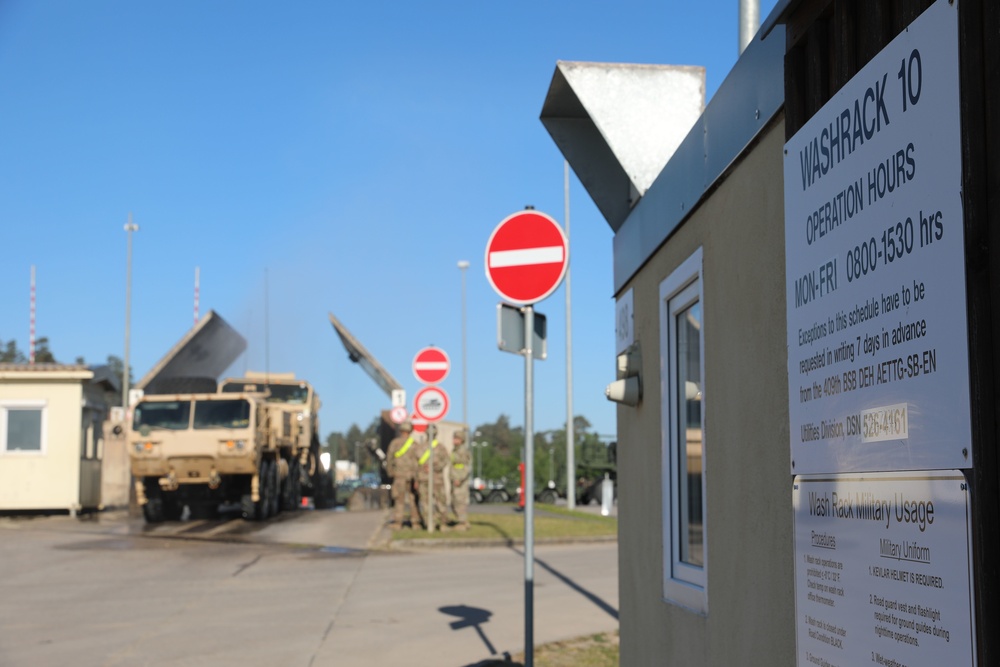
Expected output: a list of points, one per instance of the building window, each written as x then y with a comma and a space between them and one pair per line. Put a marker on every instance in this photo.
22, 427
685, 563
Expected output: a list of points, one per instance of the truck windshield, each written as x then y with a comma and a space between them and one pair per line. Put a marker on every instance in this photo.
280, 393
172, 415
222, 414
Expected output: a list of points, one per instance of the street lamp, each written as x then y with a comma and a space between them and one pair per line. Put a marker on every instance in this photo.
478, 446
129, 227
462, 266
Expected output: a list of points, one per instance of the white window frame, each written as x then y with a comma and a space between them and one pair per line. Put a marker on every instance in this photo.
683, 583
7, 405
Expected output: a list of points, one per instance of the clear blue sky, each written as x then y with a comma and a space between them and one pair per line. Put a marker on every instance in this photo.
354, 151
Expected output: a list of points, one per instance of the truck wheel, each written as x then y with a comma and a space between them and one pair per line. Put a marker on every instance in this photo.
477, 496
548, 496
291, 497
496, 496
275, 490
153, 510
267, 490
323, 494
172, 507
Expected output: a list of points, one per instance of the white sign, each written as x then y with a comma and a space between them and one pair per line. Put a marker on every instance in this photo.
624, 332
878, 368
399, 398
398, 414
882, 570
431, 403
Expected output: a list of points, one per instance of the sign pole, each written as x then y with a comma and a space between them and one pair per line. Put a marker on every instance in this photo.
528, 489
431, 435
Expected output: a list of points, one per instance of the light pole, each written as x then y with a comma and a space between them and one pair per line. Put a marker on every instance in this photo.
129, 228
462, 266
477, 452
570, 433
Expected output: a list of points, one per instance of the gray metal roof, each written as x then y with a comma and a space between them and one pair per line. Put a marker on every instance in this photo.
751, 95
749, 98
618, 124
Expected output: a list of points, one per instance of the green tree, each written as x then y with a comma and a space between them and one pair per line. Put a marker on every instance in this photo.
9, 354
354, 444
43, 355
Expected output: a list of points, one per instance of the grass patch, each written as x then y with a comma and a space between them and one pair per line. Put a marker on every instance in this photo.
550, 523
600, 650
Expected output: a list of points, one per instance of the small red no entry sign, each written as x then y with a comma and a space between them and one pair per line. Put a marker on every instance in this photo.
431, 365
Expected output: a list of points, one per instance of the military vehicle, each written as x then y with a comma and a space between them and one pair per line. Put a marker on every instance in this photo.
292, 408
202, 450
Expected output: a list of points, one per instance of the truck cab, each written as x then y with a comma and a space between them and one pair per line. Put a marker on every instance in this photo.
201, 450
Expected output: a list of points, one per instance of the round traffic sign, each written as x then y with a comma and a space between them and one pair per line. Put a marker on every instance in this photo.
398, 414
431, 365
419, 423
431, 403
526, 257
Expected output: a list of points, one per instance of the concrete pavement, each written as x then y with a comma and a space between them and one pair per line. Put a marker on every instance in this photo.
310, 588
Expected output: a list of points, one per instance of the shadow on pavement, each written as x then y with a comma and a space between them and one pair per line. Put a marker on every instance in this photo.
497, 662
601, 604
470, 617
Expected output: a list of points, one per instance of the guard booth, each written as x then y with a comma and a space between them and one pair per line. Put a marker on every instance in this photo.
51, 435
806, 351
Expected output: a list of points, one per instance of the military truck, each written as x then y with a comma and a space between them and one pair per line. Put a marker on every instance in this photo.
203, 450
292, 407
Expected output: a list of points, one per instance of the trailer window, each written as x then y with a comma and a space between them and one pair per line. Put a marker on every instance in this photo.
222, 414
169, 415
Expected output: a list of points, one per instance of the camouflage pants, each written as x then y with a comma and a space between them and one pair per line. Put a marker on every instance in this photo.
460, 502
440, 500
402, 493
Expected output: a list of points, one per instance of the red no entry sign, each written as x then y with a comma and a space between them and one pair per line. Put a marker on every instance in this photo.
526, 257
431, 403
431, 365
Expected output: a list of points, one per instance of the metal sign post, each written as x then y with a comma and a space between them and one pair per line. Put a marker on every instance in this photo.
431, 435
527, 256
529, 490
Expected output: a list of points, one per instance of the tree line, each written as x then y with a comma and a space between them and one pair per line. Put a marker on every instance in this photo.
497, 449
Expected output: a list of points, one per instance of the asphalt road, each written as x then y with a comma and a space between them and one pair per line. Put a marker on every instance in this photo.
311, 588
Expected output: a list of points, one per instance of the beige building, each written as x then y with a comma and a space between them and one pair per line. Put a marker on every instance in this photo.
52, 436
714, 565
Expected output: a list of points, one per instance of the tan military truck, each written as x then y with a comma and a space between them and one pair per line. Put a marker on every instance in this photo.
203, 450
292, 407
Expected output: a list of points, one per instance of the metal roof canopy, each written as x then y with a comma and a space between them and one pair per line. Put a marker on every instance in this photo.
618, 124
749, 98
205, 351
359, 355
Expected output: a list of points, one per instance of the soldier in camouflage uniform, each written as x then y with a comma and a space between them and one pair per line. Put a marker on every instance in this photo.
401, 464
441, 462
461, 462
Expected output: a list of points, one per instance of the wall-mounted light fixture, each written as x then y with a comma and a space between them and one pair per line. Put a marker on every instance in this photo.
627, 389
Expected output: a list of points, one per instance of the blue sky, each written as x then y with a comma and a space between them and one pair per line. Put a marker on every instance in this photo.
351, 152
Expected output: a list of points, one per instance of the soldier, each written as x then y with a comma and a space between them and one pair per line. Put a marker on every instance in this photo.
441, 462
460, 462
401, 464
